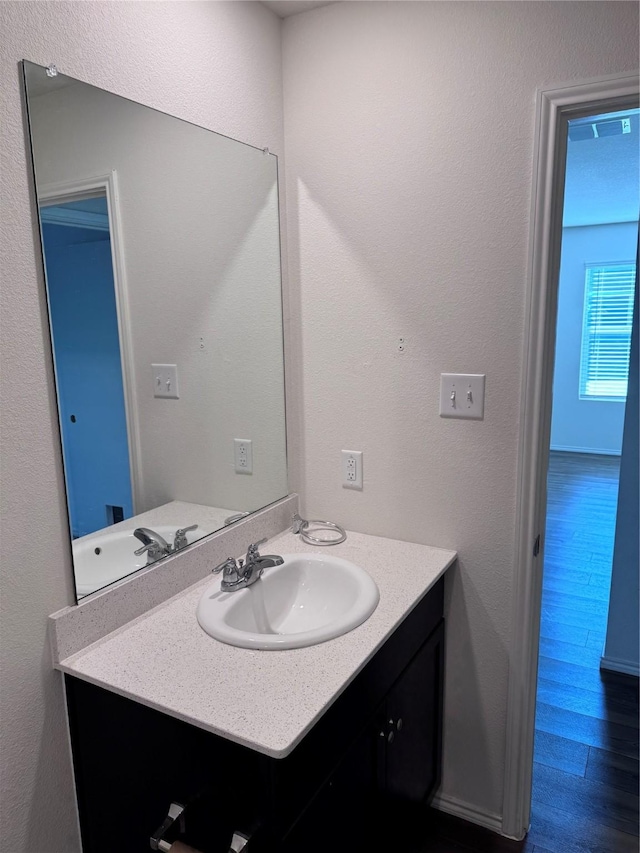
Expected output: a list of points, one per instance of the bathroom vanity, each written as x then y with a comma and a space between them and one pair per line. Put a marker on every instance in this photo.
291, 748
295, 749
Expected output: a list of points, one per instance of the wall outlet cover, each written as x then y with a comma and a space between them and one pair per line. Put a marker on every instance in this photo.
352, 469
243, 455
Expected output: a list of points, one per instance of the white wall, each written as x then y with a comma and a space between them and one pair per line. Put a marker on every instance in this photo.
409, 143
585, 426
199, 219
410, 140
219, 66
621, 652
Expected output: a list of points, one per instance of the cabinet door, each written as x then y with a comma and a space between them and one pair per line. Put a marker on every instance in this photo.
414, 725
131, 762
341, 815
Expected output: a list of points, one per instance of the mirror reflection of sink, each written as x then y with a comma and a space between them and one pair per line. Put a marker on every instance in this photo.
103, 559
307, 600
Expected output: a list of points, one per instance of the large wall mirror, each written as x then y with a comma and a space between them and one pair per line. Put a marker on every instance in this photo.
162, 266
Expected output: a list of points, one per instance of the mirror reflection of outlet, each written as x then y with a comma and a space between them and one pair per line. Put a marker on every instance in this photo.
352, 469
243, 455
165, 381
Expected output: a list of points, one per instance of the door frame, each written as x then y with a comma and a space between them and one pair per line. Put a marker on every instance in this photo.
554, 108
61, 193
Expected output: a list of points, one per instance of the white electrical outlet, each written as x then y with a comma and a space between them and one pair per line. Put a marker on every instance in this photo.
165, 381
462, 395
352, 469
243, 455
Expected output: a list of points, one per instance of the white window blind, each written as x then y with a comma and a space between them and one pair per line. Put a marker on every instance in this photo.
606, 331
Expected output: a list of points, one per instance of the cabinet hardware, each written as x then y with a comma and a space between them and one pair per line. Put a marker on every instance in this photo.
176, 813
239, 842
390, 737
399, 724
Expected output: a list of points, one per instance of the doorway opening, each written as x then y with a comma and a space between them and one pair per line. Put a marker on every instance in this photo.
76, 239
555, 108
585, 776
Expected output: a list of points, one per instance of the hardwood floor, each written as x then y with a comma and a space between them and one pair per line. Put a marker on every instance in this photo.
585, 781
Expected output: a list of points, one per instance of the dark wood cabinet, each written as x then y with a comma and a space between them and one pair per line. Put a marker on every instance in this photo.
414, 724
375, 750
391, 768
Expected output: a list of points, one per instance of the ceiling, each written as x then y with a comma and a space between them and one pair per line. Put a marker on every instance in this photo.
285, 8
602, 179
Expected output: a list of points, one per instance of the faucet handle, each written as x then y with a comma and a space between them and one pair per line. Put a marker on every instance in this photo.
180, 539
252, 550
228, 565
154, 551
230, 572
182, 530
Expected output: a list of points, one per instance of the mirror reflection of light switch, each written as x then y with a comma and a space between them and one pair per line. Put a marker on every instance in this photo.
165, 381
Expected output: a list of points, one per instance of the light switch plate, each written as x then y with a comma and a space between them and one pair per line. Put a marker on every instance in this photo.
165, 381
462, 395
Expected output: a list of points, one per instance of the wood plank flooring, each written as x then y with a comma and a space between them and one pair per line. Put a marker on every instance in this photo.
586, 750
585, 782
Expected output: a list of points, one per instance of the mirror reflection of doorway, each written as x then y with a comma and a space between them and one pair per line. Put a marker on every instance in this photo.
86, 344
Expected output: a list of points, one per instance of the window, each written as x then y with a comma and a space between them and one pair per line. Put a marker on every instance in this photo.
606, 331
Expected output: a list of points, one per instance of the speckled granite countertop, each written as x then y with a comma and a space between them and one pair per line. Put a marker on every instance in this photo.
266, 700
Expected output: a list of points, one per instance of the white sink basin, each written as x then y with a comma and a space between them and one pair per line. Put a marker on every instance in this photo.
310, 598
104, 559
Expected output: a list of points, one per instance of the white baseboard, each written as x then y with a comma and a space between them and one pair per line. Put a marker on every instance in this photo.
455, 807
615, 665
591, 450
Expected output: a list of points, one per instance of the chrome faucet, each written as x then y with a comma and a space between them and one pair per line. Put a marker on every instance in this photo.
156, 546
239, 574
153, 544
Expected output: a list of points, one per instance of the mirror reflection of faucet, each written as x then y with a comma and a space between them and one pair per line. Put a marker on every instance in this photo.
156, 546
